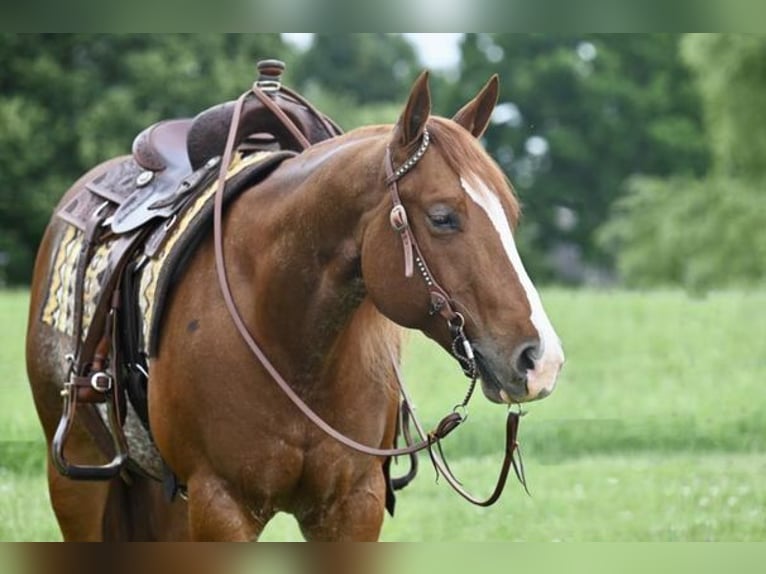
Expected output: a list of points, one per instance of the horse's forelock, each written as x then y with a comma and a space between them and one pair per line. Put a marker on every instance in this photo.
467, 158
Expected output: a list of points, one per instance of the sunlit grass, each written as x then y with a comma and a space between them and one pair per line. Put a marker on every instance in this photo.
656, 432
633, 498
644, 371
25, 512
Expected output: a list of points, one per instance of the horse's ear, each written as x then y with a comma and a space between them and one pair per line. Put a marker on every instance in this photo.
474, 116
412, 122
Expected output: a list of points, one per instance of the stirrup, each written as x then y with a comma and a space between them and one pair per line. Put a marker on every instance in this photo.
119, 443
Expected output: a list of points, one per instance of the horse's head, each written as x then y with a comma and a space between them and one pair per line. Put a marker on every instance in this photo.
460, 209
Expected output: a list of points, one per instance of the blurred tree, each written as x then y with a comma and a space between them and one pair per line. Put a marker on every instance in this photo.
68, 101
370, 68
697, 233
706, 232
578, 115
730, 70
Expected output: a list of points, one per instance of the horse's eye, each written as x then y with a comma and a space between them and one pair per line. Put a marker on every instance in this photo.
443, 219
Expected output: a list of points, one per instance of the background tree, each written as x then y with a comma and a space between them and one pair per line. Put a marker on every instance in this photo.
357, 79
730, 70
711, 231
68, 101
579, 114
369, 68
590, 128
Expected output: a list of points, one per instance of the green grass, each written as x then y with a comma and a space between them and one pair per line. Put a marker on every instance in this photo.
645, 371
657, 430
25, 515
647, 497
16, 422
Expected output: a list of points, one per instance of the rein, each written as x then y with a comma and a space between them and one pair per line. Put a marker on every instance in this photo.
440, 303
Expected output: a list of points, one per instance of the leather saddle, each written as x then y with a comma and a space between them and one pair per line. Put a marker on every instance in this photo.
176, 155
132, 205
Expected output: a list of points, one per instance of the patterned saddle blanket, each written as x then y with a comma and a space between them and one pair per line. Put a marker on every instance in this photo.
156, 258
131, 229
161, 251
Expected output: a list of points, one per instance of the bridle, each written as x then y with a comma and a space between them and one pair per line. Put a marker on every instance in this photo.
440, 303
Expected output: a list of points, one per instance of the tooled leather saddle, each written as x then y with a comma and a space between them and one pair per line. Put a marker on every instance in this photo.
127, 211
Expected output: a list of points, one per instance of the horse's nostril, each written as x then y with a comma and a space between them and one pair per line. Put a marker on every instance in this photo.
524, 358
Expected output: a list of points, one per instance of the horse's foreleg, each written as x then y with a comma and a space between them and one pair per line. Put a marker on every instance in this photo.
353, 516
216, 515
79, 506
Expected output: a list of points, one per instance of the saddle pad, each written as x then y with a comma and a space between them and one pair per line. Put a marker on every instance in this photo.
163, 269
58, 311
157, 277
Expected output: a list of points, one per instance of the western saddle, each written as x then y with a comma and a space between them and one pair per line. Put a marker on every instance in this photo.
134, 205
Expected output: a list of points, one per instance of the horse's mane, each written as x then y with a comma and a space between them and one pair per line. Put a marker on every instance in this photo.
464, 154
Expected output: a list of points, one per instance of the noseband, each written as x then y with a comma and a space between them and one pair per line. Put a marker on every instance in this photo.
440, 303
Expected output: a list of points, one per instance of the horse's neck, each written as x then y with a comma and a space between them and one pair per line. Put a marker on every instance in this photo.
304, 252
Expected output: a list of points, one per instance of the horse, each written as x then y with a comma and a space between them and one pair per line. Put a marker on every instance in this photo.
320, 262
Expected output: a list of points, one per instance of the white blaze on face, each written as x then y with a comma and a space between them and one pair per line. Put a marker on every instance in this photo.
547, 366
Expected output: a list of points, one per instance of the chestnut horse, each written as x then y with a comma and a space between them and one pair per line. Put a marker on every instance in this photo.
319, 277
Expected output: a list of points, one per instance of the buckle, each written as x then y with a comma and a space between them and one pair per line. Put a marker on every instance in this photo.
101, 382
398, 218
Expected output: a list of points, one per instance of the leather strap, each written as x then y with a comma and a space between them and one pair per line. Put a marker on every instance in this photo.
511, 448
405, 411
448, 423
440, 302
277, 111
329, 125
86, 346
86, 250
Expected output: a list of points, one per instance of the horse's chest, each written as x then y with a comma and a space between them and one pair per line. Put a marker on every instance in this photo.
288, 478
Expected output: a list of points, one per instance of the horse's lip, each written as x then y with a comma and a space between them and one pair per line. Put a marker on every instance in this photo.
494, 389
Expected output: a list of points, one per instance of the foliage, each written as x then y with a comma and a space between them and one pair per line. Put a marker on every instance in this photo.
346, 112
580, 113
730, 70
696, 233
651, 434
69, 101
706, 232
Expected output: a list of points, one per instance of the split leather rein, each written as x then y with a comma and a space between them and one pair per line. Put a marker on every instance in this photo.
440, 303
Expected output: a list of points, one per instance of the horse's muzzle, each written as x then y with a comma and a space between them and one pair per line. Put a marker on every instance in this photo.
529, 375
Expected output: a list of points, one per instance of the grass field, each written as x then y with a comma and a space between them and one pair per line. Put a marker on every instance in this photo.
656, 432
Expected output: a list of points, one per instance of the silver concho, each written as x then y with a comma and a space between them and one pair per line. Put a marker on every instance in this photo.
144, 178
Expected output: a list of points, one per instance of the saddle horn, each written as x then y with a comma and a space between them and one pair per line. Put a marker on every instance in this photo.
209, 130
